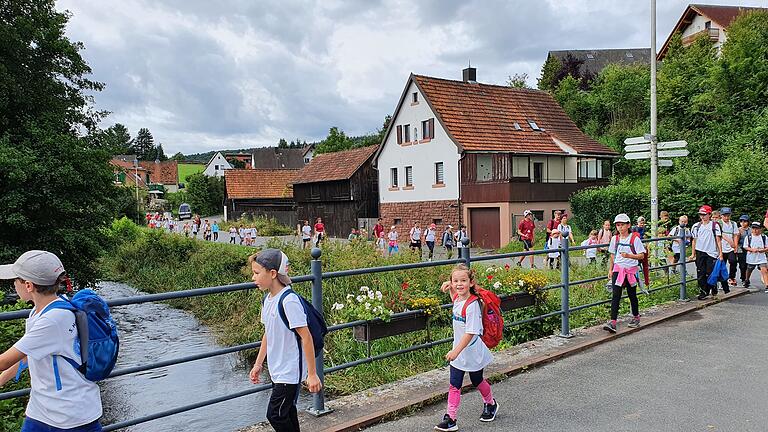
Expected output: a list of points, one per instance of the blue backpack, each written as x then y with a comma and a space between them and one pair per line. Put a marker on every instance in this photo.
97, 339
315, 322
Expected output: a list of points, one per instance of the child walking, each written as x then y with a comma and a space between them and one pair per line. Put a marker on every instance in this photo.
62, 399
626, 249
554, 242
756, 245
591, 254
283, 344
469, 353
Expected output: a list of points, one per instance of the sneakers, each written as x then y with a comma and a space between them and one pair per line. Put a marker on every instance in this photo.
635, 322
610, 326
702, 296
448, 424
726, 290
520, 264
489, 412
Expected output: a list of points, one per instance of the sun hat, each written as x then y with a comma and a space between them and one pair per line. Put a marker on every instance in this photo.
39, 267
432, 226
622, 217
744, 218
705, 209
274, 259
640, 219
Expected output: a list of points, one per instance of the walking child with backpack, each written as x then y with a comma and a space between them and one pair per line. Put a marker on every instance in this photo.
741, 253
293, 334
67, 345
707, 249
756, 245
626, 249
729, 245
470, 353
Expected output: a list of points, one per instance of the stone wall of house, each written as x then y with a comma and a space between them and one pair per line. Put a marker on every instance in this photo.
404, 214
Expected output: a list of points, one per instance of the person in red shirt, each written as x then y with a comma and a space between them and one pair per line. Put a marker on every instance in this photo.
553, 223
378, 233
765, 220
319, 231
526, 229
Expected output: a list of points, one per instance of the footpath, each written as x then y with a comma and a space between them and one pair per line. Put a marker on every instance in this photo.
675, 376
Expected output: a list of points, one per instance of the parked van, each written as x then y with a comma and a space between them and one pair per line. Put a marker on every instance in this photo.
185, 212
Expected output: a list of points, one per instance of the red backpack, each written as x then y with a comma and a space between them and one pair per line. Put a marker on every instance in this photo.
493, 322
643, 262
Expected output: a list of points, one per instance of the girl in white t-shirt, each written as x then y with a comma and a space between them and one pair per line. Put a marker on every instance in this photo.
626, 250
756, 245
554, 242
392, 237
469, 353
61, 397
591, 254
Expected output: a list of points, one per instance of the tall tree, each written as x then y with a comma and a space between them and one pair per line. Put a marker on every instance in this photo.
144, 144
116, 139
518, 80
336, 140
179, 157
55, 180
282, 143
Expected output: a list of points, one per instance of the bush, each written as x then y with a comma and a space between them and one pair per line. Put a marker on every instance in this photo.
12, 410
592, 206
206, 194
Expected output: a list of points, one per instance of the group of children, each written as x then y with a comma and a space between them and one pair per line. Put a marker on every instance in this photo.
389, 242
208, 231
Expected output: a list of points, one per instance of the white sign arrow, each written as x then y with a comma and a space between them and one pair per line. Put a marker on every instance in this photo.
672, 144
665, 163
673, 153
638, 155
636, 140
637, 148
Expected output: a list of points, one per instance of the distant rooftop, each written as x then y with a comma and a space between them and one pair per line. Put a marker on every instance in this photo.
595, 60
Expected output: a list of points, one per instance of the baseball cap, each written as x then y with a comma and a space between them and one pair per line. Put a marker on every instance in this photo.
705, 209
526, 213
744, 218
622, 217
725, 210
756, 224
274, 259
36, 266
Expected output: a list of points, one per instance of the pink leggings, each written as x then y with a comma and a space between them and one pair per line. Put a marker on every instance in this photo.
454, 391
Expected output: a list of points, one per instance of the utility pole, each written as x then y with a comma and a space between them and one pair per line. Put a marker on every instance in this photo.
136, 182
654, 139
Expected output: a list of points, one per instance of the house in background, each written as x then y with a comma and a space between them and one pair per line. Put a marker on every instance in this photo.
246, 159
260, 193
479, 154
309, 153
217, 165
165, 173
128, 172
278, 158
710, 20
340, 187
157, 176
592, 62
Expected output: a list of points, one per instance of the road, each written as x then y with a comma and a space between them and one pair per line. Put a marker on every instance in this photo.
704, 371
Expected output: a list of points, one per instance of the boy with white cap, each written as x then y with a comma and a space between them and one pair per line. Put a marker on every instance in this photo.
286, 367
729, 245
62, 399
707, 247
756, 246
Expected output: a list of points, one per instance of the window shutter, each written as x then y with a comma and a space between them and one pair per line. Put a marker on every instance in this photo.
399, 134
432, 127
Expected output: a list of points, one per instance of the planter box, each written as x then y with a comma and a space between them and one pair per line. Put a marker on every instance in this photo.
381, 329
517, 301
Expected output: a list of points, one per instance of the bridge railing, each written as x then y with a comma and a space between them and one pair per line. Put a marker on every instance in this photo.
317, 277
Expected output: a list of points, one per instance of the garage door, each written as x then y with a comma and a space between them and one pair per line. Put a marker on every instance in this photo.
484, 227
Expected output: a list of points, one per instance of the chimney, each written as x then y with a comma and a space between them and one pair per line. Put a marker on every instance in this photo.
469, 75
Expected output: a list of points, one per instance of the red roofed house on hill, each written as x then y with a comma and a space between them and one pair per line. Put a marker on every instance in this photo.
710, 20
341, 188
464, 152
260, 193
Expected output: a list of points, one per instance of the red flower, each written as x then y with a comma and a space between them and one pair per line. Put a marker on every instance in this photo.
405, 285
490, 277
506, 266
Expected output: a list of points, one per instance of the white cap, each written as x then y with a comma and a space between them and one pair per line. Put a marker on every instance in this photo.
622, 217
526, 213
39, 267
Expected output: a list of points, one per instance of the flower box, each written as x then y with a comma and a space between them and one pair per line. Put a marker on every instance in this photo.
397, 325
517, 301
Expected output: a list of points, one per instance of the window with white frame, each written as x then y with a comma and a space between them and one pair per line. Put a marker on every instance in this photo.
409, 176
393, 177
439, 178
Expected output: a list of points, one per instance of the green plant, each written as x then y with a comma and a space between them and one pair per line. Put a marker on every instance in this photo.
367, 305
12, 410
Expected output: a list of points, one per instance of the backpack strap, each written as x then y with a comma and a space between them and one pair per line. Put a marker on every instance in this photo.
284, 318
466, 305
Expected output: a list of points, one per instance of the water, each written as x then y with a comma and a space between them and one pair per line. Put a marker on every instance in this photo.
153, 332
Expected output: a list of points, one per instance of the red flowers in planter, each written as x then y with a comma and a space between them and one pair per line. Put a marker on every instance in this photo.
506, 266
490, 277
405, 285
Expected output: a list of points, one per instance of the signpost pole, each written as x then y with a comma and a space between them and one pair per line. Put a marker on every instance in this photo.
654, 154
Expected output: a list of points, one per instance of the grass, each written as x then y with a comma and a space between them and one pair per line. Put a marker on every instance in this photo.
157, 262
186, 169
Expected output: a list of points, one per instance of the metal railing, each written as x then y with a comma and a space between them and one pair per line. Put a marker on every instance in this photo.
317, 277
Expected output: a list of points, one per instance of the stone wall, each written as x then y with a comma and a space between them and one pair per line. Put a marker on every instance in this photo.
404, 214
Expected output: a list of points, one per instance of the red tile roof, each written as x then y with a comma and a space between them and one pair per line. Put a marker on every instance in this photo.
259, 183
482, 117
335, 166
120, 165
167, 174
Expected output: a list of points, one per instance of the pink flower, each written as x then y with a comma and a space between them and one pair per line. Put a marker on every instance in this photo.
506, 266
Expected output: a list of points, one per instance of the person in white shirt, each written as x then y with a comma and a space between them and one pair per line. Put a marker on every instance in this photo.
554, 242
729, 245
756, 245
626, 249
430, 236
679, 245
415, 237
306, 234
61, 397
282, 345
591, 254
707, 244
565, 230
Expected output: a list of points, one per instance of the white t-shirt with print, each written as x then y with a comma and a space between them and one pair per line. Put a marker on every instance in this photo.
415, 234
729, 231
282, 347
78, 402
756, 242
705, 238
476, 355
565, 230
554, 243
623, 246
676, 232
306, 232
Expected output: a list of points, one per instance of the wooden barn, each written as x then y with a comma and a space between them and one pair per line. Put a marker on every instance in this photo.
260, 193
341, 188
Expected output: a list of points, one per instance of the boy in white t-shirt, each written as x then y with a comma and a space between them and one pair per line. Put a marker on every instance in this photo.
707, 238
756, 245
729, 245
280, 343
61, 397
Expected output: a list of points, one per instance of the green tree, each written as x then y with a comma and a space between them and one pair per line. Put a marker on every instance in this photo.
56, 184
283, 143
205, 194
549, 74
623, 93
179, 156
518, 80
116, 139
574, 101
144, 145
336, 140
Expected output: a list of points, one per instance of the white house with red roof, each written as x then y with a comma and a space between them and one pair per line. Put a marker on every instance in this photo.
462, 152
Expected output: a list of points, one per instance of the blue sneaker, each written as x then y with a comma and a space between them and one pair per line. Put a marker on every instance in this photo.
448, 424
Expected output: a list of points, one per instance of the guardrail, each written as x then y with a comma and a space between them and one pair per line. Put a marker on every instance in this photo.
317, 277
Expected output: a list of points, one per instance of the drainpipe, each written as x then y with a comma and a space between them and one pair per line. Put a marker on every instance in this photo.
461, 209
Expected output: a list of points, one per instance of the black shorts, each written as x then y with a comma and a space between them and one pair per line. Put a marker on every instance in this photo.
527, 245
416, 243
756, 266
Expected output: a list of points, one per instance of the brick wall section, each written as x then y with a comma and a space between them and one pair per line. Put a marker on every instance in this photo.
423, 212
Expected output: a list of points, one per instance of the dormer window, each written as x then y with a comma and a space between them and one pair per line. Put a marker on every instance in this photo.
630, 55
590, 56
517, 126
533, 125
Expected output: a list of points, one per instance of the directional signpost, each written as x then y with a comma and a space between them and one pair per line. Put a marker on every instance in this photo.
640, 148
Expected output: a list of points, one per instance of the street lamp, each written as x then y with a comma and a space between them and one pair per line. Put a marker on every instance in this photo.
136, 182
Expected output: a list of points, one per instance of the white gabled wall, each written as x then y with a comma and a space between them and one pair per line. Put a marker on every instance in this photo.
421, 157
699, 24
218, 159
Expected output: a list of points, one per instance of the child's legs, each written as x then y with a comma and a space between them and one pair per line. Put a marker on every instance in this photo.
281, 411
615, 296
454, 391
764, 274
482, 386
633, 304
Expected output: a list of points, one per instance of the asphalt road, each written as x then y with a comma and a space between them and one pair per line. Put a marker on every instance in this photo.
704, 371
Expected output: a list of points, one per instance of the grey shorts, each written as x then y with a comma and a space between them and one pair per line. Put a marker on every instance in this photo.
757, 266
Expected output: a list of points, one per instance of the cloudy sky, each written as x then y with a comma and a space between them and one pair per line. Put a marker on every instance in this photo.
205, 75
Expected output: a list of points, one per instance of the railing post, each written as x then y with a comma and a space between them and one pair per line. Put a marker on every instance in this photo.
683, 267
465, 248
565, 276
316, 267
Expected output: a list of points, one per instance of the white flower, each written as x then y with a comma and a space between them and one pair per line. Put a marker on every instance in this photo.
497, 285
521, 282
350, 296
378, 295
337, 306
377, 309
371, 295
364, 288
367, 306
360, 299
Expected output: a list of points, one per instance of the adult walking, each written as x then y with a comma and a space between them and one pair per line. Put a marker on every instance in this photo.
415, 238
707, 238
430, 235
729, 245
565, 230
319, 231
626, 251
526, 230
447, 241
378, 234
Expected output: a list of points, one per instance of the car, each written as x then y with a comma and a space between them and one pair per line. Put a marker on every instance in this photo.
185, 212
